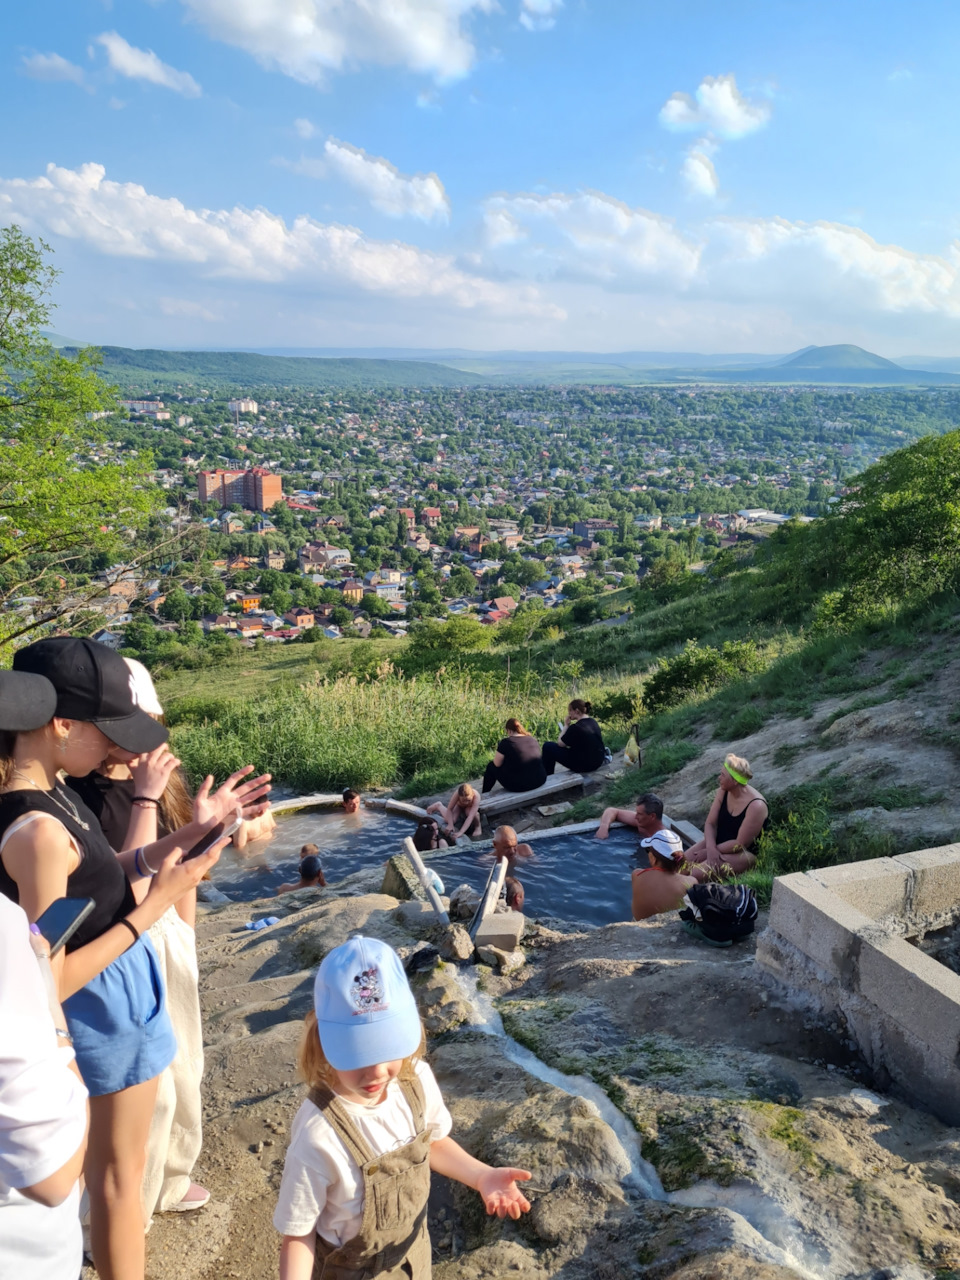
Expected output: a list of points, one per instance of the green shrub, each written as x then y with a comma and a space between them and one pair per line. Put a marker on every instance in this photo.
697, 670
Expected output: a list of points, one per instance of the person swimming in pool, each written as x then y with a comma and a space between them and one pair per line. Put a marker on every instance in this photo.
311, 872
505, 845
350, 801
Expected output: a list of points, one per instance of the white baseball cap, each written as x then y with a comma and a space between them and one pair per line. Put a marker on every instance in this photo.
366, 1013
665, 843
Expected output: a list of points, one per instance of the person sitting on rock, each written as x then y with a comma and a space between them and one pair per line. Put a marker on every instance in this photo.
647, 818
505, 845
427, 836
350, 801
580, 748
311, 871
660, 887
517, 763
463, 808
733, 824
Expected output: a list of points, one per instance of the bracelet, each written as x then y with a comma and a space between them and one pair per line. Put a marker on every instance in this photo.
142, 865
146, 800
132, 927
64, 1034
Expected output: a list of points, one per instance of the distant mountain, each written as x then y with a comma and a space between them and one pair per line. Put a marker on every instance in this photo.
58, 340
165, 369
843, 356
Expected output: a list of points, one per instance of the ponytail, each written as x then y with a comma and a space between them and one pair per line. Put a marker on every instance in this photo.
581, 708
514, 726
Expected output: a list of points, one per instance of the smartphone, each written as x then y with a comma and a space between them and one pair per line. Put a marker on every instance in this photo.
62, 919
210, 839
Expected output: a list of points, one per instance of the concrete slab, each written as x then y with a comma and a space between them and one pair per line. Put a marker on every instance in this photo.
502, 930
936, 880
914, 990
877, 888
823, 926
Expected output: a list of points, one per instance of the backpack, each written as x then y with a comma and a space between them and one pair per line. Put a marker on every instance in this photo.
723, 912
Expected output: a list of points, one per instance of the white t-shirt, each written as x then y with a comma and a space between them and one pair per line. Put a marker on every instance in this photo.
43, 1115
322, 1187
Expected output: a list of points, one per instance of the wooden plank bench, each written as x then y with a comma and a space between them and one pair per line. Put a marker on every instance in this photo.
501, 801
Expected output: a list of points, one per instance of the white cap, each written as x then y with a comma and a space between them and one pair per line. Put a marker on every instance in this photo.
141, 688
664, 843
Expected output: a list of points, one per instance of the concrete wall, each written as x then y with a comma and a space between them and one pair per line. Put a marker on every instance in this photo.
837, 937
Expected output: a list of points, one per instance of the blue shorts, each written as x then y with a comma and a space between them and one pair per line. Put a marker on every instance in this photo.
119, 1022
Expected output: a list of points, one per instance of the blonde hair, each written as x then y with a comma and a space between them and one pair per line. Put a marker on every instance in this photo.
739, 764
465, 793
314, 1069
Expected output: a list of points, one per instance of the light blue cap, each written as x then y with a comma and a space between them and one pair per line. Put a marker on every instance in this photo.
366, 1013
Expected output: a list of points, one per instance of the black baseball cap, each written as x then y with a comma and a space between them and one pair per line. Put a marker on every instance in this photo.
26, 701
94, 684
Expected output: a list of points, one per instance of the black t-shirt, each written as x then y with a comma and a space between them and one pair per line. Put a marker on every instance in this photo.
99, 875
522, 768
585, 740
110, 800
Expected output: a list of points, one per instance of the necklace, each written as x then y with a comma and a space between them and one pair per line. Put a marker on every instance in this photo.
65, 803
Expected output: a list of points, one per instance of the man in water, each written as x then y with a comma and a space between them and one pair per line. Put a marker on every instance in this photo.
514, 893
505, 845
660, 887
351, 801
311, 871
647, 818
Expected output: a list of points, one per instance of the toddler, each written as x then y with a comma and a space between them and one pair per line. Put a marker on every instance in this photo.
357, 1175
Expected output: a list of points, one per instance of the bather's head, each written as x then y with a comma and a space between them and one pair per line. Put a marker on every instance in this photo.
514, 893
649, 814
504, 842
665, 850
734, 773
350, 800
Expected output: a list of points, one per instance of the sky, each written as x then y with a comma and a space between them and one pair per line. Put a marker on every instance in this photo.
564, 175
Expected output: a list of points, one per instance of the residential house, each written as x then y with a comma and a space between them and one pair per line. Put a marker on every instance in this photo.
505, 604
112, 639
432, 517
218, 622
352, 590
249, 601
250, 628
300, 617
409, 515
322, 554
230, 523
477, 543
273, 560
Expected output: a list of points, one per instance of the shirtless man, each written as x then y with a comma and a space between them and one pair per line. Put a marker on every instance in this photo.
660, 887
350, 803
505, 845
647, 818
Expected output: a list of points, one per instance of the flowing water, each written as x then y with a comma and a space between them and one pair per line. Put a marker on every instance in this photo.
770, 1216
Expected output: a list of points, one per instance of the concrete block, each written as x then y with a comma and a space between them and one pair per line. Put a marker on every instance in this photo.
452, 941
818, 923
936, 880
416, 915
400, 880
505, 961
502, 930
878, 888
913, 990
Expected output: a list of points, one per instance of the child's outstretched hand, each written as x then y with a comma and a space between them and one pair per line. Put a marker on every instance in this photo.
500, 1192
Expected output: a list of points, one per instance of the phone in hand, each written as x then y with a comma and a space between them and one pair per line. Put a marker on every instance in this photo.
206, 843
62, 919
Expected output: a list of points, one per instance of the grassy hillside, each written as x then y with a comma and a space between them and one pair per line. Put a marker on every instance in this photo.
164, 369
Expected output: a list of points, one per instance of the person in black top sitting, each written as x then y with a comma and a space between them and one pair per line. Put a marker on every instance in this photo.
581, 744
517, 763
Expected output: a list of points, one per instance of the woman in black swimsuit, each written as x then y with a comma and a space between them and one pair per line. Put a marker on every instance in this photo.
733, 824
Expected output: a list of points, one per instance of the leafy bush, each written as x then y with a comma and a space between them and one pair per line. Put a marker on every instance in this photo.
698, 670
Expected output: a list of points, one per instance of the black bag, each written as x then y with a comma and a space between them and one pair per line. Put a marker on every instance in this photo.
724, 912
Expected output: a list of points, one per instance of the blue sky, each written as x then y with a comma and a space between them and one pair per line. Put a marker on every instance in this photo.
611, 175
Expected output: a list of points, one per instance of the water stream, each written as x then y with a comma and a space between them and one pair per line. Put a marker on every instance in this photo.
769, 1217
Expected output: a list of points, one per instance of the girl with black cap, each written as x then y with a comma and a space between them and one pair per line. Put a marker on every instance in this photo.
51, 846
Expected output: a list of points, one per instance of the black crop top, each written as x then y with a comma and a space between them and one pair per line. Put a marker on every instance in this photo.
99, 875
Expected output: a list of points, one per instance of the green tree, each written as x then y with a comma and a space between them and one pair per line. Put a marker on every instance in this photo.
59, 502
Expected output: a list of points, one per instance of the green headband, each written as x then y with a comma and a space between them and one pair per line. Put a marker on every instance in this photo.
737, 777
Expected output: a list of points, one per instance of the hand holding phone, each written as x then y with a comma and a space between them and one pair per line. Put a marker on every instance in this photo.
206, 843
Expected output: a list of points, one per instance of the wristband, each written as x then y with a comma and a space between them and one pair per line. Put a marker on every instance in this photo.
132, 927
142, 865
146, 800
64, 1035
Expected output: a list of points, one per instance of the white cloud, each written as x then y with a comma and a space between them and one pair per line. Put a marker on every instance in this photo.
591, 234
187, 307
304, 128
718, 105
699, 172
307, 39
539, 15
392, 192
124, 220
50, 66
143, 64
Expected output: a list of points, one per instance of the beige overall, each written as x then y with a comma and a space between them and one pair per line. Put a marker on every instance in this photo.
393, 1243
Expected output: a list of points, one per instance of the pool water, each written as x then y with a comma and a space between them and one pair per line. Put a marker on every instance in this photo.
347, 843
571, 877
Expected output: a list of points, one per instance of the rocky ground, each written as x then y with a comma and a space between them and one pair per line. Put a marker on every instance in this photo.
777, 1158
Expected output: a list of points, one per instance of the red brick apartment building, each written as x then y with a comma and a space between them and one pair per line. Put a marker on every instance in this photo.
255, 490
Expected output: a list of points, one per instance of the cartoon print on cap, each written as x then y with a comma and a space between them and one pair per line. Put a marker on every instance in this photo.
367, 991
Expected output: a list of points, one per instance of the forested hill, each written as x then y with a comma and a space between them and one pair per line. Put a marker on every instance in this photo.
165, 369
